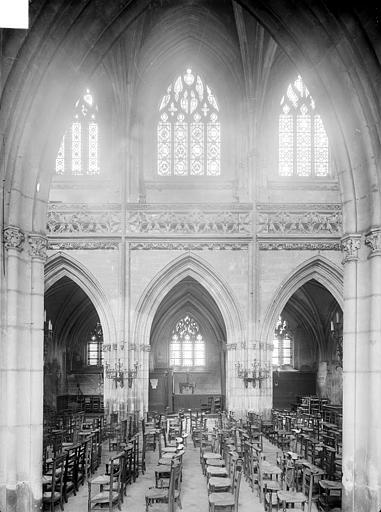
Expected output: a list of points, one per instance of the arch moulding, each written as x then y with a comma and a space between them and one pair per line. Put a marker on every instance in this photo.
62, 265
193, 266
319, 268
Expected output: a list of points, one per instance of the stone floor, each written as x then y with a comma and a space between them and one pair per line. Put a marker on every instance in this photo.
194, 491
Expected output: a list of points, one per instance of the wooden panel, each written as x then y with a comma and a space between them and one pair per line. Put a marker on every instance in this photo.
288, 385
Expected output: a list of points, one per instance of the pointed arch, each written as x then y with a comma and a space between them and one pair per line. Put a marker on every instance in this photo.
319, 268
189, 265
60, 265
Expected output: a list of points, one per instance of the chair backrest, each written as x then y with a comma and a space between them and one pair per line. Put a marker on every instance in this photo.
58, 470
237, 482
116, 468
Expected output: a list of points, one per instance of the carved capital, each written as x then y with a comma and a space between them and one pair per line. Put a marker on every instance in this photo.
231, 346
350, 246
373, 240
14, 238
146, 348
132, 346
38, 245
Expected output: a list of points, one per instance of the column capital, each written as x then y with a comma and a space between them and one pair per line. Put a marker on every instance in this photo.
14, 238
38, 245
231, 346
350, 245
373, 240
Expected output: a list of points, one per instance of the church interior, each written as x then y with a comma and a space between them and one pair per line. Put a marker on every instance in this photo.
190, 290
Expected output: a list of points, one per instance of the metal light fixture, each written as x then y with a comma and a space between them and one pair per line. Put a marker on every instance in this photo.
118, 373
256, 372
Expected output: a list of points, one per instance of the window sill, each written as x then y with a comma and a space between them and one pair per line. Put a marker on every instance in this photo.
190, 182
299, 183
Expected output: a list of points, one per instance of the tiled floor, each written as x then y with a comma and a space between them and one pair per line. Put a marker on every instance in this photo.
194, 492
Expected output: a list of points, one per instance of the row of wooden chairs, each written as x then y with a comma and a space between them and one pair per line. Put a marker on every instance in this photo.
165, 494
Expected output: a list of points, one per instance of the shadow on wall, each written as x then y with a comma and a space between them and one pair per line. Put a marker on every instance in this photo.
330, 382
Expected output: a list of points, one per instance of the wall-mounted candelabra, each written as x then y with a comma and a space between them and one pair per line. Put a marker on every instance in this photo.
337, 335
255, 373
119, 374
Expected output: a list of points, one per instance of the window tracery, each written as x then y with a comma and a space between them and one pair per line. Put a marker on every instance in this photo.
78, 153
188, 130
187, 346
303, 142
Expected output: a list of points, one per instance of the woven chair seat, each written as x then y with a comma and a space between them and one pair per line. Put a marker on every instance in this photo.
222, 498
104, 496
216, 481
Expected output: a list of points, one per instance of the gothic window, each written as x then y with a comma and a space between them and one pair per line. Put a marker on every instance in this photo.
187, 346
283, 344
303, 142
94, 347
188, 130
78, 151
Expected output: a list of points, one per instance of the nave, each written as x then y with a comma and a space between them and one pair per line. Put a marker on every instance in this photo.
211, 451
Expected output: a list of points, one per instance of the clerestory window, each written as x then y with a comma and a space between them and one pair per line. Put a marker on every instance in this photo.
78, 153
303, 142
188, 129
187, 346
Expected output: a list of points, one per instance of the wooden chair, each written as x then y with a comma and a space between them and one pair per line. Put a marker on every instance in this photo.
162, 495
110, 493
53, 484
224, 483
82, 454
170, 505
269, 476
310, 486
70, 479
227, 501
285, 498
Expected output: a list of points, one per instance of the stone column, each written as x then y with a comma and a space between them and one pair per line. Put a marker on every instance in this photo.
231, 374
22, 373
373, 241
356, 406
37, 248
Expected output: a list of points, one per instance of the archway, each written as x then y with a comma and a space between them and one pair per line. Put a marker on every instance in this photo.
193, 267
307, 355
73, 351
187, 357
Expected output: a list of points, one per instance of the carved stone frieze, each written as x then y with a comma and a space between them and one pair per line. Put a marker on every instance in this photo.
76, 245
192, 222
81, 219
350, 246
300, 219
300, 245
189, 246
14, 238
38, 245
132, 346
373, 240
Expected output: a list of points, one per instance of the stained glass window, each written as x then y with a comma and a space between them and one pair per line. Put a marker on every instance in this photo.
282, 344
94, 347
78, 153
187, 346
303, 142
188, 130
